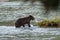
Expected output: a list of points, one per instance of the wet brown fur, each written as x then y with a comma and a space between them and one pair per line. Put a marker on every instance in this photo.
22, 21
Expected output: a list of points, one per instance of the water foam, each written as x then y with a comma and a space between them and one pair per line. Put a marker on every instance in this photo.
33, 30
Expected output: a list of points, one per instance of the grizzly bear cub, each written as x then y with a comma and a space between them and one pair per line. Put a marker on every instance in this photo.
22, 21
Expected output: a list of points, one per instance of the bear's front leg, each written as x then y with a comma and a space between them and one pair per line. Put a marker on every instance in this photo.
29, 25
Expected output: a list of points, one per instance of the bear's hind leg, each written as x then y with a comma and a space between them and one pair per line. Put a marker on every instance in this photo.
17, 26
29, 25
23, 25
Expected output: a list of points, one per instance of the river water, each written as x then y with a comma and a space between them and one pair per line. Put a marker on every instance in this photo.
11, 11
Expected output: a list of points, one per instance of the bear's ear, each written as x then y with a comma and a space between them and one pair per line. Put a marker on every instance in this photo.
30, 15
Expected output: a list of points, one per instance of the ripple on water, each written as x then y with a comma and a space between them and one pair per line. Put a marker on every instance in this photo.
33, 33
33, 30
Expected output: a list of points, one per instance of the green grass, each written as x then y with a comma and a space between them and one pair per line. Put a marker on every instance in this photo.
53, 22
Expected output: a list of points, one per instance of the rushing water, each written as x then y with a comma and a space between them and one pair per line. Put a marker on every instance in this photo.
33, 33
11, 11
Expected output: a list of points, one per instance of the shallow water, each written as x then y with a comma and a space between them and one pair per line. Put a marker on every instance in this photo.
33, 33
11, 11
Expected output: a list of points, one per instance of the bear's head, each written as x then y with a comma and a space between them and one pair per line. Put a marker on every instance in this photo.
31, 17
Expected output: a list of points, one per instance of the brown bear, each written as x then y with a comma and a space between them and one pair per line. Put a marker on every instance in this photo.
22, 21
